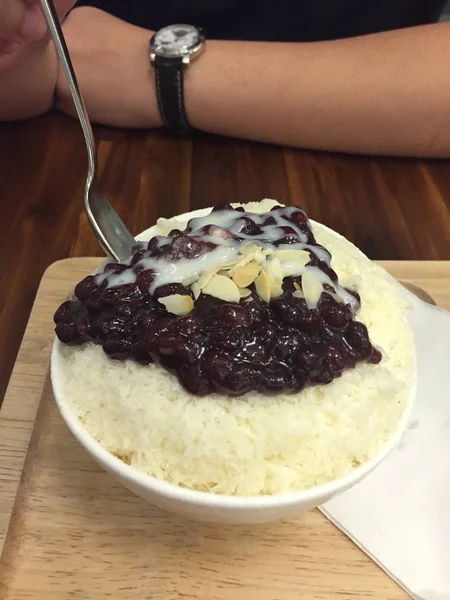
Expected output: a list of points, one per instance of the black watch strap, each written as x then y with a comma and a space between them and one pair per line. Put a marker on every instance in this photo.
170, 92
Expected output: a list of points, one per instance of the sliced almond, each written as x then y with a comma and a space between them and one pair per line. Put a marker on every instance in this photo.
230, 263
259, 257
246, 275
177, 304
242, 262
190, 279
223, 288
312, 288
298, 291
250, 248
274, 270
300, 256
291, 267
196, 290
263, 287
224, 273
206, 277
244, 292
275, 276
276, 290
256, 252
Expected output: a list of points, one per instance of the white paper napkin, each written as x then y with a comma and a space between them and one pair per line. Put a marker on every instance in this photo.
400, 514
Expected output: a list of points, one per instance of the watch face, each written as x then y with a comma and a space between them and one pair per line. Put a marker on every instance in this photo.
175, 40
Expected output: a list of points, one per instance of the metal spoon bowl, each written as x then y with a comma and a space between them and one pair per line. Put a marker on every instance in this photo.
419, 292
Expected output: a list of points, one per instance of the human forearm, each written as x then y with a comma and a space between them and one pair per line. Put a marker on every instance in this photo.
110, 58
382, 94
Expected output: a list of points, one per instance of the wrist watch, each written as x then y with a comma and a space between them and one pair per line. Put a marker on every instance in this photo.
172, 49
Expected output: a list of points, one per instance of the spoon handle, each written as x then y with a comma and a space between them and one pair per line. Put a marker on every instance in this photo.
111, 232
61, 47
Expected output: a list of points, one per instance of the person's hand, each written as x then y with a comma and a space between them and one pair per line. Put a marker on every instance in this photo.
22, 22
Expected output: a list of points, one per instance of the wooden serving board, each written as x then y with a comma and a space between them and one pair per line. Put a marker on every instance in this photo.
68, 531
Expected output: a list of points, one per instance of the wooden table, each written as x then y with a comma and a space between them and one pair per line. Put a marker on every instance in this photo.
390, 208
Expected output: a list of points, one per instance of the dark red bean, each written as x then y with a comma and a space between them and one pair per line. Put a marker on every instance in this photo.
86, 287
62, 315
117, 347
233, 315
144, 280
193, 381
171, 288
115, 268
241, 380
68, 333
225, 339
333, 314
183, 246
217, 366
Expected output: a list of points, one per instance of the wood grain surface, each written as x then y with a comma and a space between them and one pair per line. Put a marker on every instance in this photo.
391, 208
68, 531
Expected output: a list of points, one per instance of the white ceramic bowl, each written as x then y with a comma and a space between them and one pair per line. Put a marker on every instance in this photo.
201, 505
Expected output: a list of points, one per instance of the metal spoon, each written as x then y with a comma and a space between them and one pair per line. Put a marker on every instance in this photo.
419, 292
111, 232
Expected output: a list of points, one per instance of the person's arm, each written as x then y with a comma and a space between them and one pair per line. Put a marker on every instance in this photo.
28, 66
387, 93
